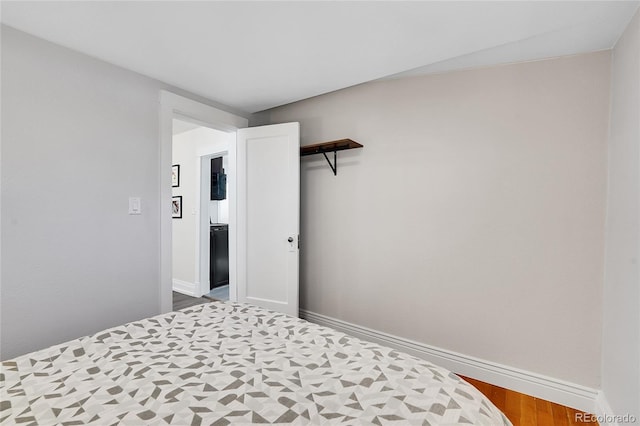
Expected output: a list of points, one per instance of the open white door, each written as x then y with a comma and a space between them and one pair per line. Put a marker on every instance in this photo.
268, 188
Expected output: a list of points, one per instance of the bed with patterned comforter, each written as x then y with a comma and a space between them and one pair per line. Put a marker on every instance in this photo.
228, 363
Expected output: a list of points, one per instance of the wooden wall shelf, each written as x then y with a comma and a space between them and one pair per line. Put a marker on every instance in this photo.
331, 146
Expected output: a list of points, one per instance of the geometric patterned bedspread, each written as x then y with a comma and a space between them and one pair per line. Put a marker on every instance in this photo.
228, 363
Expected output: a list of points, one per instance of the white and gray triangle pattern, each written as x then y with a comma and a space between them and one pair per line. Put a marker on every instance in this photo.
227, 363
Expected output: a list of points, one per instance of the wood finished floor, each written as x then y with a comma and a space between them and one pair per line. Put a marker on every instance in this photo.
525, 410
521, 409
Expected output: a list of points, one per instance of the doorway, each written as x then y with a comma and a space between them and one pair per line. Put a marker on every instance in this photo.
176, 106
214, 229
263, 234
200, 216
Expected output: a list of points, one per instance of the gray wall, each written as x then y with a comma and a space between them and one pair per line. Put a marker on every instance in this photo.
79, 137
621, 326
472, 219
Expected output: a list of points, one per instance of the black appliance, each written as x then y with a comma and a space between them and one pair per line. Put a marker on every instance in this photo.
218, 180
218, 255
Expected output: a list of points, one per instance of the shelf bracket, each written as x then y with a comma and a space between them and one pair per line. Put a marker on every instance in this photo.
333, 146
334, 166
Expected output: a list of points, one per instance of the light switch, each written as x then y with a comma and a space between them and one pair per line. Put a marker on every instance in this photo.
134, 205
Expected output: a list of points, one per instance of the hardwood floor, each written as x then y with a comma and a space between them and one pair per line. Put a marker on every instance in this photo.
181, 301
525, 410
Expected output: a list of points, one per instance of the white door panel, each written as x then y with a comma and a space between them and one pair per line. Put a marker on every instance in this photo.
269, 195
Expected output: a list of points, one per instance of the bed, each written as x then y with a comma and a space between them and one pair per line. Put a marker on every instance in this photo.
228, 363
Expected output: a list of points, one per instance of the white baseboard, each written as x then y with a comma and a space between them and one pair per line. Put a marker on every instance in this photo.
603, 411
185, 287
555, 390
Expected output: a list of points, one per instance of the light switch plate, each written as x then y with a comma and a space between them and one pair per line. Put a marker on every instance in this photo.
134, 205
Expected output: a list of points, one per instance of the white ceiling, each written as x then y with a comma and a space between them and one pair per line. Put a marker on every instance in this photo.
256, 55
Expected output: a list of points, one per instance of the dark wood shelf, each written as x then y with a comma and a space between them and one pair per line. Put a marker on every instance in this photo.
331, 146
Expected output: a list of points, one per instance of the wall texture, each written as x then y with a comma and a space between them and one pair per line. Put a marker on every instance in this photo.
621, 325
472, 219
79, 137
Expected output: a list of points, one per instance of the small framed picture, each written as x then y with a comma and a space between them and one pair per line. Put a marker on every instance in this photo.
176, 207
175, 175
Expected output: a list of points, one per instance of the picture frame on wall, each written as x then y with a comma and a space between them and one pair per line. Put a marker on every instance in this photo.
176, 207
175, 175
